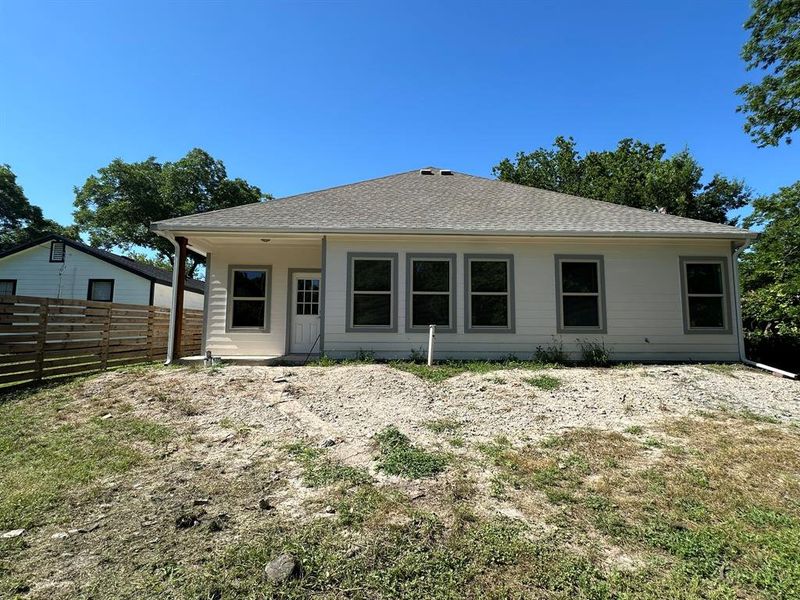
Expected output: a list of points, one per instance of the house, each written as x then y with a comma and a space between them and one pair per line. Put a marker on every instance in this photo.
499, 268
58, 267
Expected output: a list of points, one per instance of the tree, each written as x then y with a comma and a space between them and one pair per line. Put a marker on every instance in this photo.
21, 221
772, 106
116, 206
634, 173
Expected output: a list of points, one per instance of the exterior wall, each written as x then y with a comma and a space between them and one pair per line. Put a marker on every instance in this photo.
280, 257
162, 296
37, 276
642, 285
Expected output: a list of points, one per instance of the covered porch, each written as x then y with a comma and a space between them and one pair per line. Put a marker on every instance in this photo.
264, 296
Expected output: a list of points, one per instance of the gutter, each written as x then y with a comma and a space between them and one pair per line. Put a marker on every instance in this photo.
740, 326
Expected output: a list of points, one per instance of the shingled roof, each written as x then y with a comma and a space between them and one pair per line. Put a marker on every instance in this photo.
149, 272
436, 201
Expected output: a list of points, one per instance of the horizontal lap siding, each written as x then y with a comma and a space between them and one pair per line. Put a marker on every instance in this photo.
643, 297
281, 258
37, 276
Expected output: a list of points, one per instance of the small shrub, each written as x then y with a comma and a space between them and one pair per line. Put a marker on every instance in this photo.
398, 456
366, 356
595, 354
417, 355
544, 382
552, 354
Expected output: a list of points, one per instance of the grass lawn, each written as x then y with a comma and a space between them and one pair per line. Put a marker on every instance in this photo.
706, 506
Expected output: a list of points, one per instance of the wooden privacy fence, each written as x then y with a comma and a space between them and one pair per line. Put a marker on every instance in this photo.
48, 337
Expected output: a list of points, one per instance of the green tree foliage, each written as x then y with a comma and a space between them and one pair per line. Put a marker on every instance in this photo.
771, 270
21, 221
116, 206
634, 173
772, 106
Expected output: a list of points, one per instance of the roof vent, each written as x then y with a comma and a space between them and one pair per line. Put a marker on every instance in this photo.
445, 172
426, 171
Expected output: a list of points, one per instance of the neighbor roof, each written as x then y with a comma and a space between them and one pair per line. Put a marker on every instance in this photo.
414, 202
147, 271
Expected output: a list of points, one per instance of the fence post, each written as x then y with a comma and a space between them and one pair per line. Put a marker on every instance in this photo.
150, 333
105, 339
41, 337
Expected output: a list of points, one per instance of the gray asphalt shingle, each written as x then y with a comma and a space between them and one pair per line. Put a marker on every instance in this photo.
458, 203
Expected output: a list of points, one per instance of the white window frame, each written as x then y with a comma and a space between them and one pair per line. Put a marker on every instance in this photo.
468, 293
229, 327
410, 293
725, 297
379, 256
601, 327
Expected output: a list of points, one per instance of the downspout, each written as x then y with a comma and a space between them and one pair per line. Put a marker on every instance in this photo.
738, 317
174, 307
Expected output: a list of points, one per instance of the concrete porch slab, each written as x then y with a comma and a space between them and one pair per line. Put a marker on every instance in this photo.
253, 361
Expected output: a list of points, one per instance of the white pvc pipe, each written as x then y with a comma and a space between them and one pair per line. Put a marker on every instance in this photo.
740, 324
431, 336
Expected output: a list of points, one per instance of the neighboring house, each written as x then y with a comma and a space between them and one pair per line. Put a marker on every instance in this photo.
58, 267
499, 268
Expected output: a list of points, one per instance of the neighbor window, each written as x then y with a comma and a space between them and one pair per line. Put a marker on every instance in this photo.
430, 285
249, 301
489, 285
8, 287
101, 290
580, 294
705, 297
56, 251
371, 295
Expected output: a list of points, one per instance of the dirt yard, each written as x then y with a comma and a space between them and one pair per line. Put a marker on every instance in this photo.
222, 457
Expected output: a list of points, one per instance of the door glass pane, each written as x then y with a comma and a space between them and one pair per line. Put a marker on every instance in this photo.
581, 311
372, 309
706, 312
372, 275
489, 311
489, 276
431, 276
249, 284
704, 278
315, 284
579, 277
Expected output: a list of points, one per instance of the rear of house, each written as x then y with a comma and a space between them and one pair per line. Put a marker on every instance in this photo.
499, 268
58, 267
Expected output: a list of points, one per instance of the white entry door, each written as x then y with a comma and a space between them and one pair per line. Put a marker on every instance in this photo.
305, 313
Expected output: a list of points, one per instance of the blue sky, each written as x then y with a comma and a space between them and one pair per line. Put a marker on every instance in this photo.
296, 96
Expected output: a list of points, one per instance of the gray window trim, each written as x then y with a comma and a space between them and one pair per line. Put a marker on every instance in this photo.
726, 295
601, 293
451, 258
290, 302
392, 327
267, 297
468, 328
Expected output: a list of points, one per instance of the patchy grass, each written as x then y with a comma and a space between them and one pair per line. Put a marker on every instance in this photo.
442, 425
398, 456
544, 382
320, 470
445, 370
50, 451
635, 430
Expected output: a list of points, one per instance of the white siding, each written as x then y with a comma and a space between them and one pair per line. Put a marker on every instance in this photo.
162, 296
643, 297
281, 258
37, 276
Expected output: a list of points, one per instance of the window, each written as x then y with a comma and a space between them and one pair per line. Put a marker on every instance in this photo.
705, 295
56, 251
489, 281
8, 287
430, 283
101, 290
371, 282
307, 297
580, 294
248, 307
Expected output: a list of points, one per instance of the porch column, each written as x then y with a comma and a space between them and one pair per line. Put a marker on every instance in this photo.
179, 285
